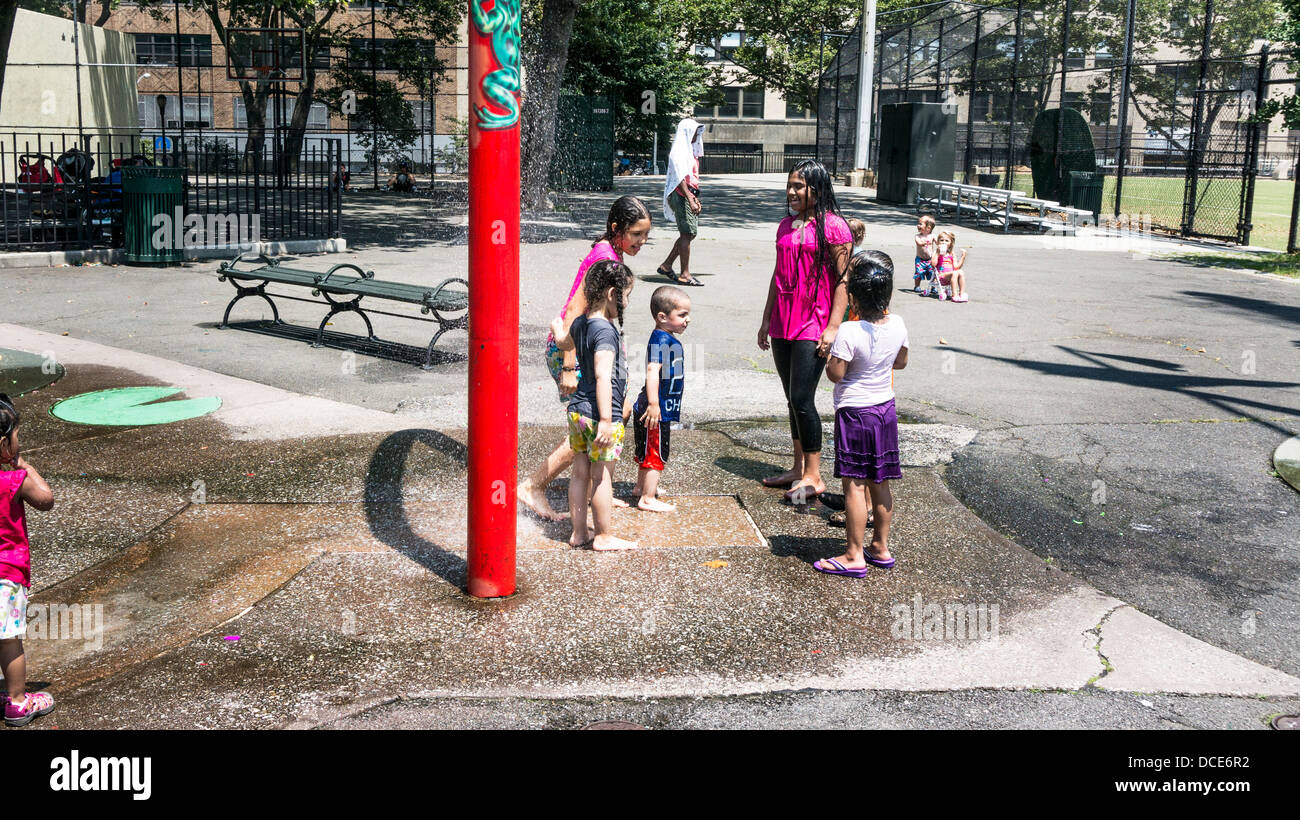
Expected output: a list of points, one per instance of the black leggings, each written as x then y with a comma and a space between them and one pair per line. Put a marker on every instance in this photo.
800, 369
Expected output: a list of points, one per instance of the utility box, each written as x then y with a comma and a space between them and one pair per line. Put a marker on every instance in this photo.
916, 140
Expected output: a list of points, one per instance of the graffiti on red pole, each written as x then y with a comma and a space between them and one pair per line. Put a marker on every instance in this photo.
501, 24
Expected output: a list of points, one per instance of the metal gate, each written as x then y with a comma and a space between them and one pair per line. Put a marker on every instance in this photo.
1222, 156
584, 137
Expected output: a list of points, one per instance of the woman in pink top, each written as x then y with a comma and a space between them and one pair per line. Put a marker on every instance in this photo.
626, 230
805, 304
20, 484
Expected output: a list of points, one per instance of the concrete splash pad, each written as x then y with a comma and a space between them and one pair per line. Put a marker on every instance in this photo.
357, 599
22, 372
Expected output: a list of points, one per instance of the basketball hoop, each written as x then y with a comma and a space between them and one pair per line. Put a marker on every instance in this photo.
265, 54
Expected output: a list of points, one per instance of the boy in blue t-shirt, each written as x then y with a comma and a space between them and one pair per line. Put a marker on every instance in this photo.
660, 401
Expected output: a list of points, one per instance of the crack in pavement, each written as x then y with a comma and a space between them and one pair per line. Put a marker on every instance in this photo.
1106, 666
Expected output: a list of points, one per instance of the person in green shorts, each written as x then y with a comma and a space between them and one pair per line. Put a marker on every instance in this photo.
682, 198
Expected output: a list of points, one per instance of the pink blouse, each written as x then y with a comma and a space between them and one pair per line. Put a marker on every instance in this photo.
802, 308
600, 252
15, 554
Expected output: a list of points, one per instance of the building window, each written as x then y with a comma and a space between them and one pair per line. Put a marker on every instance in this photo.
800, 150
1100, 108
160, 49
317, 117
386, 58
198, 112
730, 108
1074, 59
736, 102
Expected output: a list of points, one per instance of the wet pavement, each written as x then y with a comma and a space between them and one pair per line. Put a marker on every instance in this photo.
296, 557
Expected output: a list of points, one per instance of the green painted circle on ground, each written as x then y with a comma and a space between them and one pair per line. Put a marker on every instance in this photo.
22, 372
132, 407
1286, 460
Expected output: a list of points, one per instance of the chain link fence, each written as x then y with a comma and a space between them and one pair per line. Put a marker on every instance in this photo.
1164, 98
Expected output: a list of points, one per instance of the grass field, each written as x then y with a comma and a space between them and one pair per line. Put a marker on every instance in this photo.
1162, 197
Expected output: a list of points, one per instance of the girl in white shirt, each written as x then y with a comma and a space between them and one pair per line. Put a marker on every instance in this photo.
862, 361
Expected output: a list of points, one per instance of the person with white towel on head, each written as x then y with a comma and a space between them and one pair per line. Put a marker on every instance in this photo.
682, 198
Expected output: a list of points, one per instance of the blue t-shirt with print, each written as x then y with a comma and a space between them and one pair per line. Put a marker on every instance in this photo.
664, 349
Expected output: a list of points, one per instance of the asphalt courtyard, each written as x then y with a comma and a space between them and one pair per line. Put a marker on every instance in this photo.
1110, 410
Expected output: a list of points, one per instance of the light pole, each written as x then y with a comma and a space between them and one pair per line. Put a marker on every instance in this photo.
866, 66
161, 101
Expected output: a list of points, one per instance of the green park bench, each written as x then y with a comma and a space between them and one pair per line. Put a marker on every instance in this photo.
445, 298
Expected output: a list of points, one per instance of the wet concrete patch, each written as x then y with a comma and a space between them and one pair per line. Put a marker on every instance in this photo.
163, 592
22, 372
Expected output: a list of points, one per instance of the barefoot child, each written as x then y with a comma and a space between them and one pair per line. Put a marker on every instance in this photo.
626, 231
950, 274
20, 484
596, 408
924, 265
660, 401
863, 358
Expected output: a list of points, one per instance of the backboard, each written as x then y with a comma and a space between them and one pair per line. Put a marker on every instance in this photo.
265, 54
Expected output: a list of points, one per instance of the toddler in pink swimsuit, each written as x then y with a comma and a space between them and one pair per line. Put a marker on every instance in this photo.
20, 484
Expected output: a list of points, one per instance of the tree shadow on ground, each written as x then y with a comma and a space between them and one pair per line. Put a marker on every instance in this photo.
385, 514
1197, 387
1244, 304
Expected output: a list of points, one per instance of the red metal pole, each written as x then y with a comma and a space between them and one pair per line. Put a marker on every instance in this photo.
493, 294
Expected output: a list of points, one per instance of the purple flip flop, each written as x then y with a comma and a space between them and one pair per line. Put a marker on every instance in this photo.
888, 563
836, 568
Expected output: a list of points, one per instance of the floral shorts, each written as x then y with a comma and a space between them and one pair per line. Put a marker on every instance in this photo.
555, 364
582, 438
924, 269
13, 608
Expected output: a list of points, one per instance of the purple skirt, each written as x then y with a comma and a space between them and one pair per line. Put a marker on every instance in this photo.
866, 443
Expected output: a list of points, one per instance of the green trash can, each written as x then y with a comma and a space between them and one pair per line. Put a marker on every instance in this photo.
147, 193
1085, 192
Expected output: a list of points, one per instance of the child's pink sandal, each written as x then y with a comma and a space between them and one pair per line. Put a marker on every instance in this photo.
38, 703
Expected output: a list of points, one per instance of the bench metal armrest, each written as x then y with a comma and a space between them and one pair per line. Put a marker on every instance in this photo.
365, 274
430, 300
229, 267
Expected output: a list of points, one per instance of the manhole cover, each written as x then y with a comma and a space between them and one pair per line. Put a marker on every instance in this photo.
1286, 722
613, 724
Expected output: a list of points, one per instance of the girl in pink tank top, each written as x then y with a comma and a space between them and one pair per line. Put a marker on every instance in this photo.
20, 485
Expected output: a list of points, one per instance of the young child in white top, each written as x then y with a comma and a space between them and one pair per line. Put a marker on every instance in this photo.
862, 363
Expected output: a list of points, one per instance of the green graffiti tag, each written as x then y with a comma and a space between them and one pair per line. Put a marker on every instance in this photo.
501, 86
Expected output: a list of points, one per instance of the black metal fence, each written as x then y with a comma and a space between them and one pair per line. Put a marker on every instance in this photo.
1166, 98
761, 162
64, 191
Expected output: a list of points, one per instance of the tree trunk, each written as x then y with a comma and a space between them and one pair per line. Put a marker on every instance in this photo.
544, 73
298, 123
255, 107
8, 10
